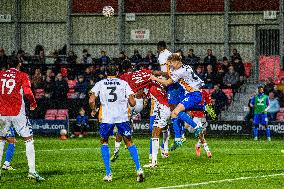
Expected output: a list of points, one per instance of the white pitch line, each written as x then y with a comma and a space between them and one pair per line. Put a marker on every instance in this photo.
219, 181
96, 148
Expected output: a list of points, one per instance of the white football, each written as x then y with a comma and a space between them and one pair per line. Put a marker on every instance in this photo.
63, 132
108, 11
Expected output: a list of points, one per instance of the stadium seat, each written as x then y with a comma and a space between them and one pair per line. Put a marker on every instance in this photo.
71, 84
50, 117
51, 112
61, 117
247, 69
269, 66
62, 112
70, 94
281, 110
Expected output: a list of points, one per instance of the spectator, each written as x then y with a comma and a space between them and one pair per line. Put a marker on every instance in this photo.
220, 76
191, 58
180, 52
136, 58
86, 57
37, 79
104, 59
21, 56
122, 56
81, 126
220, 99
231, 80
209, 77
150, 58
91, 84
40, 54
280, 86
240, 68
59, 92
199, 72
274, 107
72, 57
88, 75
81, 88
249, 117
99, 74
225, 64
48, 83
210, 59
279, 95
235, 55
269, 86
3, 59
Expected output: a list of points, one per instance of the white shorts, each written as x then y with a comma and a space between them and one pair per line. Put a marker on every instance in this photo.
162, 113
20, 123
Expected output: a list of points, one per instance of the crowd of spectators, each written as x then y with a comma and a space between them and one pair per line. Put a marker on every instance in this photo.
51, 73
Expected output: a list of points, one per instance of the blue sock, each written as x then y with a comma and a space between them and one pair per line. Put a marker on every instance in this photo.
134, 154
106, 157
267, 132
10, 152
255, 131
176, 127
150, 146
186, 118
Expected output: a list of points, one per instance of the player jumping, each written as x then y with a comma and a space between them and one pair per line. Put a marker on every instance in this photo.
192, 96
14, 85
115, 95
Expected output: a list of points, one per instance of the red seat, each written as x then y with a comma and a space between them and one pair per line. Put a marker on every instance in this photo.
281, 110
247, 69
50, 117
71, 84
63, 112
61, 117
51, 112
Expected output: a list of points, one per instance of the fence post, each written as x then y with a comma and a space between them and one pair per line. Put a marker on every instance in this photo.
17, 25
281, 26
173, 24
226, 28
69, 24
121, 25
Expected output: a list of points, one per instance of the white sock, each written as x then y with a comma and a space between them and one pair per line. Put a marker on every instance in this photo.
166, 136
2, 145
199, 143
116, 146
6, 163
155, 149
30, 153
206, 148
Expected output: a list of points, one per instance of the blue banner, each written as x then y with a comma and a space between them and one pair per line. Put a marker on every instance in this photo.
45, 127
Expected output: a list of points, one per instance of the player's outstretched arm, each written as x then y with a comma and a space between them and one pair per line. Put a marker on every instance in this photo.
160, 73
162, 81
26, 84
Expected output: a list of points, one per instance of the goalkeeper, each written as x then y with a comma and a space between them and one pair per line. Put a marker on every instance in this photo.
260, 105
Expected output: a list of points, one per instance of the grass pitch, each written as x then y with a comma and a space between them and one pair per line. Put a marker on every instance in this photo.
77, 163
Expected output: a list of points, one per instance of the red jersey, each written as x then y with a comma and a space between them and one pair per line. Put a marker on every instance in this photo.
13, 85
137, 80
141, 79
206, 99
159, 94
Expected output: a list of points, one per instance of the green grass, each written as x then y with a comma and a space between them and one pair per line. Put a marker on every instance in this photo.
65, 167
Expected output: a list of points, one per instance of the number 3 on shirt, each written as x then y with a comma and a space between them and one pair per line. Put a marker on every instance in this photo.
112, 93
9, 84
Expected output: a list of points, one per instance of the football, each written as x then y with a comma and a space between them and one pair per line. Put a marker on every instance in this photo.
63, 132
108, 11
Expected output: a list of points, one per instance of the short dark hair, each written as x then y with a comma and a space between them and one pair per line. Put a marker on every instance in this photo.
111, 70
85, 50
162, 44
13, 62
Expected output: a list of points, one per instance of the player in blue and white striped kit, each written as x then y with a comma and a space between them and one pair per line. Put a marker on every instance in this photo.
10, 138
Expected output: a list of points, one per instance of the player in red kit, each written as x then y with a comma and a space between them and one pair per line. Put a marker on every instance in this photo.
14, 85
